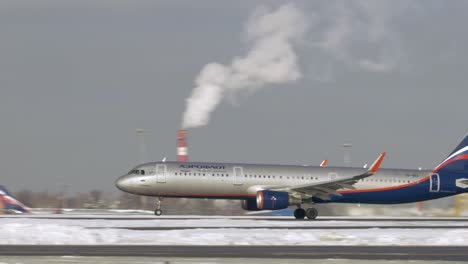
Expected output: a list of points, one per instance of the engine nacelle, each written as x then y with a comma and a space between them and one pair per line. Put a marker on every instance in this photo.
271, 200
249, 205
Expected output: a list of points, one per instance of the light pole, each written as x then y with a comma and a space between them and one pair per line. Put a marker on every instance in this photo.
347, 153
141, 133
141, 145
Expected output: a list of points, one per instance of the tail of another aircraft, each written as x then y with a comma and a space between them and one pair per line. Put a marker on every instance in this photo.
9, 204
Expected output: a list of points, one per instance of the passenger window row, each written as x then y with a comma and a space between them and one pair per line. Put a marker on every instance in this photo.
142, 172
281, 177
245, 175
385, 180
201, 174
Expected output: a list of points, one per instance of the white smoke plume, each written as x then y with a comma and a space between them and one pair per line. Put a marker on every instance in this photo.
351, 35
360, 34
271, 60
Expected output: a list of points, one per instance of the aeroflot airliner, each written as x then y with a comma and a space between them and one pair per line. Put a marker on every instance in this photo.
275, 187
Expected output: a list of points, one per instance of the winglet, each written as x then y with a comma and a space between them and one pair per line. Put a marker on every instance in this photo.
375, 167
324, 163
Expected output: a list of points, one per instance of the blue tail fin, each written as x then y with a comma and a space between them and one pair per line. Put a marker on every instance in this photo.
460, 146
3, 189
458, 158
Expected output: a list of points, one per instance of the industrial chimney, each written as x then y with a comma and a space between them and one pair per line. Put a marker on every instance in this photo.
182, 153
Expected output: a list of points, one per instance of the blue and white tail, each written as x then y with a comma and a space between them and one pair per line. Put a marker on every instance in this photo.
9, 204
457, 161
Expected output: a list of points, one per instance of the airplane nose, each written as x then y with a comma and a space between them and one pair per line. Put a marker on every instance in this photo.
122, 183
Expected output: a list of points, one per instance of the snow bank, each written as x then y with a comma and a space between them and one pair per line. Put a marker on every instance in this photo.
230, 232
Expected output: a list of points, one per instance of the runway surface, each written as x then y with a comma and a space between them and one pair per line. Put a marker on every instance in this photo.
266, 218
154, 223
202, 232
287, 227
273, 252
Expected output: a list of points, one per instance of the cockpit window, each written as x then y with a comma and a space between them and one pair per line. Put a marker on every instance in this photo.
137, 172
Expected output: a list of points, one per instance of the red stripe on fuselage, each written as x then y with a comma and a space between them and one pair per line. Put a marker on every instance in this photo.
385, 188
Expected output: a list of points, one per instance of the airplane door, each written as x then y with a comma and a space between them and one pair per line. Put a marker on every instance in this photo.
238, 175
434, 183
161, 173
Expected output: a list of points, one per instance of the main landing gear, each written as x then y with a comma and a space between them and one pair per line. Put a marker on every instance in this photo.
158, 210
310, 213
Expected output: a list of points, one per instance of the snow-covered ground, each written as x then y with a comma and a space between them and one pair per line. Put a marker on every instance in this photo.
226, 231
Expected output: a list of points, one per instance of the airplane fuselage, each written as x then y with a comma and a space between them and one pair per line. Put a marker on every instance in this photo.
243, 181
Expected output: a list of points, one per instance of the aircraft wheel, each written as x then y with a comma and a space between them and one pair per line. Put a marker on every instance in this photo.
299, 213
311, 213
158, 210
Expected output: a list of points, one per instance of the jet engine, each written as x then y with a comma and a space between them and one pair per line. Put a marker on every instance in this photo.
249, 205
271, 200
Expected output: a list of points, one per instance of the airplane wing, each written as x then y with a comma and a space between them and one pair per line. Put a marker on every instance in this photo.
323, 189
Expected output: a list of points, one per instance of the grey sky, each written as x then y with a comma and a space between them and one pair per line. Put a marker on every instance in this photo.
78, 77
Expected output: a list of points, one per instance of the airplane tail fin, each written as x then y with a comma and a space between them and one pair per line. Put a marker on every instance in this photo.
461, 146
4, 189
458, 158
9, 204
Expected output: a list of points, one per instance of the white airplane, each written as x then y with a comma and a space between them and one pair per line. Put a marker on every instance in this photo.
275, 187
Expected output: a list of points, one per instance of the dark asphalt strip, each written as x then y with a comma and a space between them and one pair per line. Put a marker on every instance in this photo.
284, 252
148, 228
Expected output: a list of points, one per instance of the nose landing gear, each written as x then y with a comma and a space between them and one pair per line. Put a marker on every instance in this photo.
158, 210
